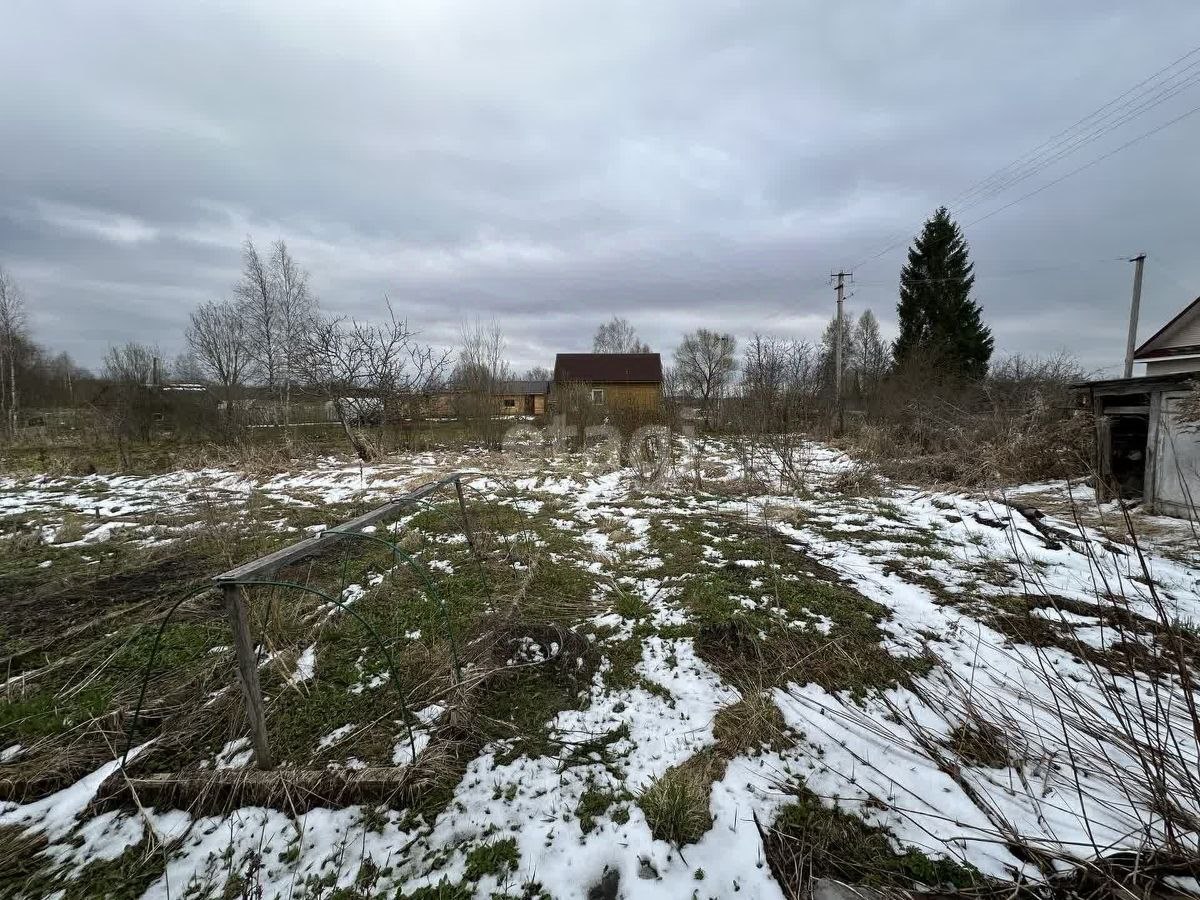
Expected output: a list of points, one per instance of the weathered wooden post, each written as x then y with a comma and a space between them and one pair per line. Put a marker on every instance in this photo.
247, 662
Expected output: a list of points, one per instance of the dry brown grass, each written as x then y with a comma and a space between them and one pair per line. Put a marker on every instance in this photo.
676, 803
751, 725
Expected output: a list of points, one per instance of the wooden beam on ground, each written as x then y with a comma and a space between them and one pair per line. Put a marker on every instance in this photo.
215, 792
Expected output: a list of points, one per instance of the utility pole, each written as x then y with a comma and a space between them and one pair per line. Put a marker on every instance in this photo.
1139, 262
840, 339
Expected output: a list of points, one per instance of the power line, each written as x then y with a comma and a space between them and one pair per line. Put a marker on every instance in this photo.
1087, 165
1066, 133
1079, 143
1068, 141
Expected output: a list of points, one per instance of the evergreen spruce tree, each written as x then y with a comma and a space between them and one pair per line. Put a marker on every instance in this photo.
937, 316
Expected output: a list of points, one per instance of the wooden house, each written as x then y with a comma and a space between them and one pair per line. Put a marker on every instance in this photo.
610, 381
521, 398
1145, 447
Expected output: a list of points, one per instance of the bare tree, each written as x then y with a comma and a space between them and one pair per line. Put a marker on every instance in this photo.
704, 366
259, 307
130, 364
617, 336
186, 367
12, 334
870, 354
780, 385
365, 369
481, 369
538, 373
216, 337
829, 340
295, 310
62, 373
131, 402
764, 372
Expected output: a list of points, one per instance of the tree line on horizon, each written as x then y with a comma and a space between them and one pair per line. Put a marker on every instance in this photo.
272, 334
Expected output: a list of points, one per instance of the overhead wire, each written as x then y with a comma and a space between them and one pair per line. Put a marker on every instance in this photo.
1152, 91
1068, 134
1073, 138
1087, 165
1081, 142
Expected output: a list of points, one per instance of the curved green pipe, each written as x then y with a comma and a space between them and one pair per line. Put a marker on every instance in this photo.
422, 573
137, 710
367, 625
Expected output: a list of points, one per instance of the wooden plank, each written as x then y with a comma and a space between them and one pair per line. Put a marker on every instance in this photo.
273, 562
217, 792
1150, 470
247, 663
1127, 410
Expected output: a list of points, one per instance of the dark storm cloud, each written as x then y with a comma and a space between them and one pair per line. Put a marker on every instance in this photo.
552, 163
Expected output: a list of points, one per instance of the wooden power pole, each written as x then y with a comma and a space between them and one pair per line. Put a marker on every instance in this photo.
839, 341
1139, 262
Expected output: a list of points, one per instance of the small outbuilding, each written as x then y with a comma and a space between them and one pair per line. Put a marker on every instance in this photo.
521, 398
1146, 447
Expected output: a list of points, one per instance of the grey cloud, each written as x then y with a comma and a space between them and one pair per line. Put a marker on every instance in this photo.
551, 163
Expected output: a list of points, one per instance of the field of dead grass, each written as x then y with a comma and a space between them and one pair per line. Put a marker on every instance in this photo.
708, 686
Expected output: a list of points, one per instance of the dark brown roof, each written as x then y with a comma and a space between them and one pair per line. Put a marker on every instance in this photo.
613, 368
1144, 351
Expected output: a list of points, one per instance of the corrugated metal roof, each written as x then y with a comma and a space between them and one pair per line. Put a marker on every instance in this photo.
634, 368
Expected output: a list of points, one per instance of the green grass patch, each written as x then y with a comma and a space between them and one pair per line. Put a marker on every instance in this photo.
594, 803
834, 844
493, 858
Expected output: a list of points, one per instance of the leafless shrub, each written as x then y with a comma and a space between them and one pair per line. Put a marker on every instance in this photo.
362, 368
478, 377
1019, 424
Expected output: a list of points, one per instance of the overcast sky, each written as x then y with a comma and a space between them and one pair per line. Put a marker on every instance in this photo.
548, 164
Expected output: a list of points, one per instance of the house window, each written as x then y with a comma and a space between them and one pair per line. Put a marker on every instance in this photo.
509, 404
598, 395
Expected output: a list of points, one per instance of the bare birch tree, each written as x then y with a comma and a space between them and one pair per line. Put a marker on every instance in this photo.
704, 366
481, 369
295, 311
12, 333
257, 300
617, 336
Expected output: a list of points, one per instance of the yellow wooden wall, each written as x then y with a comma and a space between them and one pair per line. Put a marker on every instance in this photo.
539, 405
646, 396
